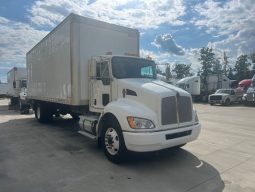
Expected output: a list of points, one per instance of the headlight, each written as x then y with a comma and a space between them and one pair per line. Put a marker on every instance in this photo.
140, 123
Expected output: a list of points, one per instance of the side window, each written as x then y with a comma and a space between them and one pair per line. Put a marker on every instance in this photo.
147, 71
23, 84
102, 71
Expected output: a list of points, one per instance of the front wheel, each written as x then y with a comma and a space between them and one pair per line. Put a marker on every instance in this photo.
113, 142
227, 102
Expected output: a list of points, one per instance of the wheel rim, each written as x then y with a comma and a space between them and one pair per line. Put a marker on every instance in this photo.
112, 143
38, 112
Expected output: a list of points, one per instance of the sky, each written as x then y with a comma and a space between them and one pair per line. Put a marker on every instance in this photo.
171, 31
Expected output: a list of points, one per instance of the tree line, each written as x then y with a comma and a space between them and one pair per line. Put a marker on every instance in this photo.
244, 67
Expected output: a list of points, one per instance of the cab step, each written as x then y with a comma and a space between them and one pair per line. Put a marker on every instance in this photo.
87, 134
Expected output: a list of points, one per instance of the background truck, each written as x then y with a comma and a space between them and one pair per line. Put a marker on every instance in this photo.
199, 90
191, 85
249, 96
225, 97
16, 80
117, 97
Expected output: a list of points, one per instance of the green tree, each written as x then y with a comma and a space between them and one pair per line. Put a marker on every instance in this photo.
230, 74
242, 68
158, 70
168, 72
252, 57
182, 70
207, 59
216, 66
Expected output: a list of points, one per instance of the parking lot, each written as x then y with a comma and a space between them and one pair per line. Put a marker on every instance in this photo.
54, 157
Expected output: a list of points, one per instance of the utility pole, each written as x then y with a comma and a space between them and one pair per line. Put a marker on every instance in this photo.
225, 63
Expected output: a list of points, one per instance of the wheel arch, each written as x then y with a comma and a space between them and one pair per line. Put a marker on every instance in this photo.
105, 117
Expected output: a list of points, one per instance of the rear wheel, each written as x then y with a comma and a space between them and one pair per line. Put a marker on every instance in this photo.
113, 142
42, 114
21, 108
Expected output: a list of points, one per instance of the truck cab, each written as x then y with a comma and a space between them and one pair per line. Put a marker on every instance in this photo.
130, 110
249, 96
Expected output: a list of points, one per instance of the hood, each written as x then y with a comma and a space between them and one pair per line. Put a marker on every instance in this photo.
143, 87
152, 93
220, 94
251, 90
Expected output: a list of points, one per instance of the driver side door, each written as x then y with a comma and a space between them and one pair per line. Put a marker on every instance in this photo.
100, 86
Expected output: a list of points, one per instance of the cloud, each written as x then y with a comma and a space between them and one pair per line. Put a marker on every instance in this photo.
132, 13
168, 45
191, 57
16, 39
234, 21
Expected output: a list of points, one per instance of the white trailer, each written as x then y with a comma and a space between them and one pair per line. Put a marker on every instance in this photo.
82, 68
216, 82
3, 90
194, 86
16, 80
190, 84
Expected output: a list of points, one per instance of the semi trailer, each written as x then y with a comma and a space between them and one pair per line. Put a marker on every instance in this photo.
199, 90
92, 70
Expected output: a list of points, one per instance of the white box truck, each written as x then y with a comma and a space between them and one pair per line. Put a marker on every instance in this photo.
16, 80
117, 97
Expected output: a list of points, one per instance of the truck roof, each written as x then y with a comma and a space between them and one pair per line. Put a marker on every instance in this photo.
184, 80
95, 22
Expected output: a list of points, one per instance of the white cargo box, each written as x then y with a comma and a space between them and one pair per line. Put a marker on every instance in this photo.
58, 64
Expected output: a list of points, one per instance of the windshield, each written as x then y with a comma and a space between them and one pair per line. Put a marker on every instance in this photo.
227, 91
128, 67
181, 85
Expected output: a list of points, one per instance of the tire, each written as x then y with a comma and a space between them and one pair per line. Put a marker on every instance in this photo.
42, 115
227, 102
113, 142
21, 108
211, 104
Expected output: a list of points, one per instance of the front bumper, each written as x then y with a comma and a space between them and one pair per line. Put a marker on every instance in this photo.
153, 141
216, 101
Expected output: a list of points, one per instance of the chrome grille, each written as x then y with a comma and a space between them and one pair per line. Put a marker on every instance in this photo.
185, 109
250, 96
215, 97
168, 111
170, 114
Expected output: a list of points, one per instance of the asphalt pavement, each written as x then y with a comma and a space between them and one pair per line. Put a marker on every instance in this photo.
55, 158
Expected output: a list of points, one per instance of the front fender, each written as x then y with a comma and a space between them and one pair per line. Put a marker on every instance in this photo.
122, 108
